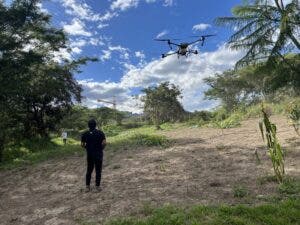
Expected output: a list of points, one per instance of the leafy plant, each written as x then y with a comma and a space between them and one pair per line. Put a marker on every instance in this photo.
293, 113
269, 133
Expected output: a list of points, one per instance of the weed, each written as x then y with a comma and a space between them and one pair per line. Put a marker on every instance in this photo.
240, 191
289, 186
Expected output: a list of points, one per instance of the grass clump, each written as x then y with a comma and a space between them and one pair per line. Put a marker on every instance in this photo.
290, 186
282, 213
240, 191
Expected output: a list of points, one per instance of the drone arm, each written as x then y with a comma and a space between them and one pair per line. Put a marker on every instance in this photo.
201, 39
171, 43
168, 54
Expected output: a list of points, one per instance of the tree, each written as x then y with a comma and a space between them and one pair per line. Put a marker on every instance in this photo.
104, 115
229, 88
266, 29
36, 89
161, 103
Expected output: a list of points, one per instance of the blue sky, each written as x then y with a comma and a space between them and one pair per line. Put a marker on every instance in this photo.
121, 32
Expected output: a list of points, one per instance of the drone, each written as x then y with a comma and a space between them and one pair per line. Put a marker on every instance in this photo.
183, 48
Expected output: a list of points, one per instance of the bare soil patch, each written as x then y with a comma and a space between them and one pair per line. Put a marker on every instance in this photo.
203, 166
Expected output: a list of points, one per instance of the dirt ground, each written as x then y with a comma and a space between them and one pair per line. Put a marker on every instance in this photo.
203, 166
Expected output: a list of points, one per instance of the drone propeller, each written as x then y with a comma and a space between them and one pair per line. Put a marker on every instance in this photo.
168, 41
204, 36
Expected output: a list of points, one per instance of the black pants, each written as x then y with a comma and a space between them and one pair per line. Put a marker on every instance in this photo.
94, 160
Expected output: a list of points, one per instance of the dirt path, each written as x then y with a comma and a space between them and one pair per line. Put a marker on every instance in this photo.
202, 166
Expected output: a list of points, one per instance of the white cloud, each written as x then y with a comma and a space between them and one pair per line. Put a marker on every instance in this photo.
96, 41
139, 54
161, 34
102, 25
106, 55
76, 50
77, 27
127, 4
187, 73
124, 4
62, 54
80, 10
201, 26
40, 6
106, 91
108, 16
168, 2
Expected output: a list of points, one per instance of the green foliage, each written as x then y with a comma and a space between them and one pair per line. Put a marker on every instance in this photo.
229, 87
293, 113
247, 86
127, 140
240, 192
31, 151
232, 121
108, 119
290, 186
112, 130
269, 132
279, 213
263, 30
37, 90
161, 104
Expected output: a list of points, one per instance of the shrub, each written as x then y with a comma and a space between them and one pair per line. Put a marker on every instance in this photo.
293, 113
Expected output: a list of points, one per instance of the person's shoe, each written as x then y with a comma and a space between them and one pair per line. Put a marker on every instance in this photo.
87, 189
98, 189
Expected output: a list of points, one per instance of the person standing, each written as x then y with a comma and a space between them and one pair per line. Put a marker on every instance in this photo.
64, 136
94, 142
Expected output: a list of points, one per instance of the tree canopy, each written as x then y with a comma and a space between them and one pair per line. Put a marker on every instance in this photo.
266, 29
161, 103
37, 88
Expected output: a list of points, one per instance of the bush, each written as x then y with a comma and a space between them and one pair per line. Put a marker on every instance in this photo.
293, 113
132, 139
112, 130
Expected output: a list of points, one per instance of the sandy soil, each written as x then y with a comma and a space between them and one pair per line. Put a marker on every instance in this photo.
202, 166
